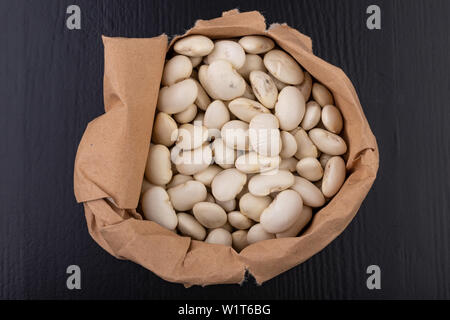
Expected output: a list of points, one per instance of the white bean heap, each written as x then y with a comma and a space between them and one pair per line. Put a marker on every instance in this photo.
244, 146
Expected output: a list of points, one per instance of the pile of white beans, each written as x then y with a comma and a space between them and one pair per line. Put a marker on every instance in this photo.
245, 143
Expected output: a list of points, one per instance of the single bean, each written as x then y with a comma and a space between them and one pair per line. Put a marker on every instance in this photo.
184, 196
194, 46
210, 215
332, 119
310, 168
282, 213
256, 44
334, 176
283, 67
158, 169
219, 236
290, 108
321, 94
165, 130
328, 142
156, 207
312, 115
177, 97
264, 184
298, 225
176, 69
257, 233
311, 195
227, 184
188, 226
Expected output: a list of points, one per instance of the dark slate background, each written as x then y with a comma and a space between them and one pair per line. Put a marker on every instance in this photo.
51, 87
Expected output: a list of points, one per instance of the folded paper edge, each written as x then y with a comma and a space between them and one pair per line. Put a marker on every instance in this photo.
89, 186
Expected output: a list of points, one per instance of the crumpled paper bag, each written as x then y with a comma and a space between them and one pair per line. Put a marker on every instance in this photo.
111, 158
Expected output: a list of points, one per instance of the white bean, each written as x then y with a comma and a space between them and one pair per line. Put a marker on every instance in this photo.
184, 196
239, 221
165, 130
252, 162
239, 238
177, 97
264, 88
283, 67
290, 108
264, 184
245, 109
203, 80
227, 184
288, 145
158, 169
156, 207
178, 179
324, 159
198, 120
252, 206
311, 195
226, 226
235, 134
289, 164
206, 176
216, 115
328, 142
210, 215
219, 236
189, 162
194, 46
298, 225
306, 86
305, 147
256, 44
202, 101
252, 62
312, 115
223, 155
227, 50
191, 137
264, 135
188, 226
176, 69
224, 81
280, 85
333, 177
187, 115
196, 61
321, 94
257, 233
248, 93
310, 168
332, 119
282, 213
228, 206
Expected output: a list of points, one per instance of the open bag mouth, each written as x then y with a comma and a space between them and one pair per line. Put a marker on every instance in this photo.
111, 158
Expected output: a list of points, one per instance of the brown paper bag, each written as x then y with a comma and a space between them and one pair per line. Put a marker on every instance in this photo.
111, 157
